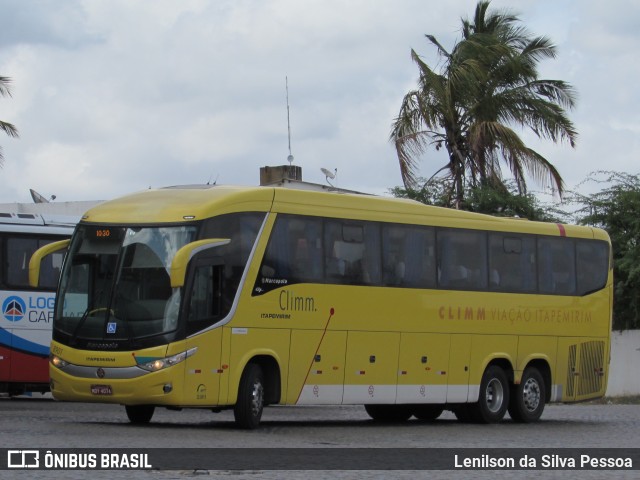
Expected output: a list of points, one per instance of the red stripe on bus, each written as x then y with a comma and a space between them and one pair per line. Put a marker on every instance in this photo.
563, 232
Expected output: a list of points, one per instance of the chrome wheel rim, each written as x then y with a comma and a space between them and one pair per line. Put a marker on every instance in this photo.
257, 399
494, 395
531, 395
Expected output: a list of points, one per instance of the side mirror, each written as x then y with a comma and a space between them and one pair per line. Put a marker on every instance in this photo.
36, 259
186, 253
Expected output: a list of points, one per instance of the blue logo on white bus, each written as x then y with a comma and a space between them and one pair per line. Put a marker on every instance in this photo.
13, 308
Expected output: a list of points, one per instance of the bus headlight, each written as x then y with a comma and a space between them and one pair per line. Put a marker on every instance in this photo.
56, 361
161, 363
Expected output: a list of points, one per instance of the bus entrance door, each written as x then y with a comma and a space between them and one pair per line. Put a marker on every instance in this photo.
203, 369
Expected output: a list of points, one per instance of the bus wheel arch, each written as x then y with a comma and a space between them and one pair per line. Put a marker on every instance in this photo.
259, 386
545, 370
272, 378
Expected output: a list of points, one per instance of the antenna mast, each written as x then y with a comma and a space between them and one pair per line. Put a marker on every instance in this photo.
290, 157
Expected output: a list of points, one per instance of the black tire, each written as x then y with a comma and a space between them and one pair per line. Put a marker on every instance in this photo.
250, 404
494, 396
389, 413
427, 413
464, 413
139, 414
528, 398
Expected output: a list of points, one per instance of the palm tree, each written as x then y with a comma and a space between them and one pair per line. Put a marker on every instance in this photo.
8, 128
488, 82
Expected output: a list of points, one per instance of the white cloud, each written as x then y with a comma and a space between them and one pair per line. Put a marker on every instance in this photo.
114, 96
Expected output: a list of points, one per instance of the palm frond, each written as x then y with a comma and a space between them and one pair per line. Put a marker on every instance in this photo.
9, 129
5, 86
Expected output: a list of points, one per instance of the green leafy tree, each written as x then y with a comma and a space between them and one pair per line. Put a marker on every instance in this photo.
6, 127
436, 192
501, 202
615, 208
486, 84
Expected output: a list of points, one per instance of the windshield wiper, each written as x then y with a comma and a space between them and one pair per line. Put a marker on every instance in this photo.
83, 319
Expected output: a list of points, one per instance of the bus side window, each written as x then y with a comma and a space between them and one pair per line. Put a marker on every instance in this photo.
241, 229
512, 266
352, 252
340, 255
556, 266
17, 255
462, 257
276, 262
305, 248
592, 265
408, 256
18, 252
206, 300
294, 253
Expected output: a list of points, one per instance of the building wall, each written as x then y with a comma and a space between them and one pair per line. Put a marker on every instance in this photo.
625, 359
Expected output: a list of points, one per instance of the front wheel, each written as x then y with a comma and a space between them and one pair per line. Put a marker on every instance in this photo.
527, 398
248, 409
494, 396
139, 414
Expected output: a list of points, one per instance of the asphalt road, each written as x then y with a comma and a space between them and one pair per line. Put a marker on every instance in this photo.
43, 423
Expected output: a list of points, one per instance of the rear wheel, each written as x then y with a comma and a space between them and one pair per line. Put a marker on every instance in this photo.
528, 398
140, 414
389, 413
250, 403
494, 396
427, 413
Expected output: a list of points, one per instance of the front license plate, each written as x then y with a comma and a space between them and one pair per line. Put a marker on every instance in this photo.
101, 390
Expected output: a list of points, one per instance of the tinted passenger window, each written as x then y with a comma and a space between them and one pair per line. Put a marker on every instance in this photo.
242, 229
18, 252
294, 253
556, 266
408, 256
206, 302
316, 250
352, 252
462, 259
512, 263
592, 265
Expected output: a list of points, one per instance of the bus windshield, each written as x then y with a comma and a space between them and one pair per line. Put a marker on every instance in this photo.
115, 283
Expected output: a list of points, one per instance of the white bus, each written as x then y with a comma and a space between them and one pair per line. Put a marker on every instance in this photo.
26, 313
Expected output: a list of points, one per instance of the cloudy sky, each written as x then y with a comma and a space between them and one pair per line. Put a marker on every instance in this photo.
114, 96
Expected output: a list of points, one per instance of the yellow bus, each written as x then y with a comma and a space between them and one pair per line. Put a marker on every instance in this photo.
241, 297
